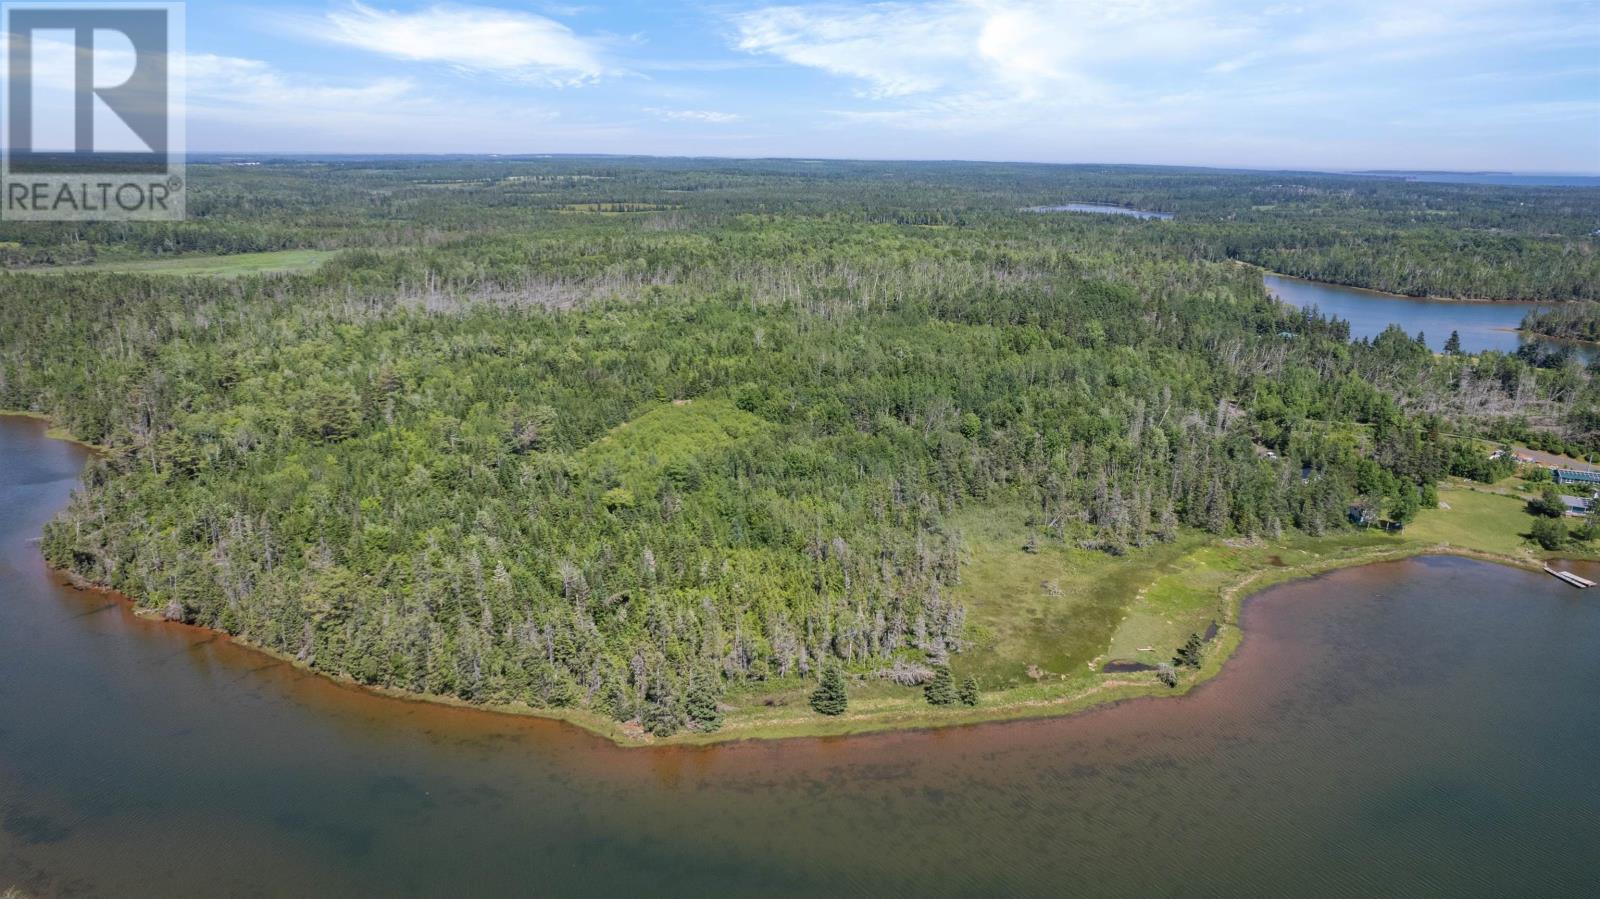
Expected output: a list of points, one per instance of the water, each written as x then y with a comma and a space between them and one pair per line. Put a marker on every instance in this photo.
1103, 210
1483, 326
1418, 728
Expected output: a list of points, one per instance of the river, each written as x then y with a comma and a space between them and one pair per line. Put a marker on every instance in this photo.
1482, 325
1426, 727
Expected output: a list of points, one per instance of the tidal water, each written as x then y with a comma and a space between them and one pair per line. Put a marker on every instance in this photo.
1102, 209
1423, 728
1483, 326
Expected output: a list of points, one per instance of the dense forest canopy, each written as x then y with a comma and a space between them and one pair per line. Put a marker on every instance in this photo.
618, 434
1418, 238
1568, 321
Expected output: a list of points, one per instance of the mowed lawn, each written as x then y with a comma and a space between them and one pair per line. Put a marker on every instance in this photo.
229, 266
1476, 519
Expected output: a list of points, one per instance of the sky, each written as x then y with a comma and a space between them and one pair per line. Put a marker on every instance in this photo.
1450, 84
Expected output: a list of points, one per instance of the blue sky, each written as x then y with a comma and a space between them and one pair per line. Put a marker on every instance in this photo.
1455, 84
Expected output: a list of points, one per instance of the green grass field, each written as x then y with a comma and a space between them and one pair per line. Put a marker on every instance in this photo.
1190, 594
635, 452
1476, 519
1053, 610
230, 266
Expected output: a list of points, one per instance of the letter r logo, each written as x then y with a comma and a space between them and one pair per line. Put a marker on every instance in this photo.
91, 94
140, 101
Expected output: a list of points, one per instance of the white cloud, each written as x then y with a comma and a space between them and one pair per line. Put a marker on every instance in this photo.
1070, 71
252, 87
897, 48
703, 116
1027, 48
239, 104
517, 45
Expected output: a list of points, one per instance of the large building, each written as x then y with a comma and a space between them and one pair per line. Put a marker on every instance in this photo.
1566, 476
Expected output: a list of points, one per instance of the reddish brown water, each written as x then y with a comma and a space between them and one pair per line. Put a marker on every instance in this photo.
1419, 728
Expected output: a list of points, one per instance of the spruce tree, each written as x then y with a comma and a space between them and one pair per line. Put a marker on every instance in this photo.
701, 704
1452, 347
830, 698
968, 694
942, 690
1188, 655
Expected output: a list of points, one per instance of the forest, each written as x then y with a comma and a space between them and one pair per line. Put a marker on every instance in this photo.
622, 435
1568, 321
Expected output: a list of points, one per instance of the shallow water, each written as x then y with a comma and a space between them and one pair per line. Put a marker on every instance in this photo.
1483, 326
1102, 209
1418, 728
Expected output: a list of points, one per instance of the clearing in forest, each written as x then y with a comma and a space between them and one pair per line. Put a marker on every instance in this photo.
228, 266
679, 434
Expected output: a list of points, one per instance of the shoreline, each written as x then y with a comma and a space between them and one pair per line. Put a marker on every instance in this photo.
1425, 298
1083, 693
54, 431
1025, 703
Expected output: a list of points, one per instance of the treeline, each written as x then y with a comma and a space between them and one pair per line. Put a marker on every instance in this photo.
1414, 238
1572, 321
621, 467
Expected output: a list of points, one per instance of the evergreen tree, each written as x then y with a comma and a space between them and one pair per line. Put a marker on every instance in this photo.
1452, 347
1188, 655
942, 689
968, 694
701, 704
659, 719
830, 698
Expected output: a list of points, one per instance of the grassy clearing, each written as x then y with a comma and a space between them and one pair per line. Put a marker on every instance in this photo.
681, 433
1052, 611
229, 266
1195, 592
1478, 519
614, 208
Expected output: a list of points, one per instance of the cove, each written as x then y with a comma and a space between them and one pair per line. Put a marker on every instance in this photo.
1482, 325
1425, 727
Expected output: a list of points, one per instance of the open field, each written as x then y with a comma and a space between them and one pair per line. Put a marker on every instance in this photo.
229, 266
1478, 519
1052, 611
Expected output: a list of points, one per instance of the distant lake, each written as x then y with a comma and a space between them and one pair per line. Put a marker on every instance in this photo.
1483, 326
1102, 209
1419, 728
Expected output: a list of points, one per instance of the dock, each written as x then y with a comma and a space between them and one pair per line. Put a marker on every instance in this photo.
1581, 583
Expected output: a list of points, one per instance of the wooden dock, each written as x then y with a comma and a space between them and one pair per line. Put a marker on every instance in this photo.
1581, 583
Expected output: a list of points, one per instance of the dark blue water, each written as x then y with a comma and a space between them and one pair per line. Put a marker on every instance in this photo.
1483, 326
1426, 728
